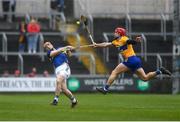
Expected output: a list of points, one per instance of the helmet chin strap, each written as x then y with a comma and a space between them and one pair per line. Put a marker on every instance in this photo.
117, 37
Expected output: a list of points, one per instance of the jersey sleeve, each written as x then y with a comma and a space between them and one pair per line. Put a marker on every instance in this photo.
130, 41
115, 42
48, 54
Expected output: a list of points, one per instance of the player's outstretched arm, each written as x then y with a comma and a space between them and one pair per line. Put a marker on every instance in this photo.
131, 41
71, 48
102, 45
56, 52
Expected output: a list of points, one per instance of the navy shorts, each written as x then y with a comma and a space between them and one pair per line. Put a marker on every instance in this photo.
133, 63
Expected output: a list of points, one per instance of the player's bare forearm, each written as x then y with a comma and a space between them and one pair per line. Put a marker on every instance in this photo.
56, 52
102, 45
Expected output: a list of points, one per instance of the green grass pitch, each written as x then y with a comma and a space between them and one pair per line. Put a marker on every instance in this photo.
35, 106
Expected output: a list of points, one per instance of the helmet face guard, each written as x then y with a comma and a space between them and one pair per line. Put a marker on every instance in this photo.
120, 31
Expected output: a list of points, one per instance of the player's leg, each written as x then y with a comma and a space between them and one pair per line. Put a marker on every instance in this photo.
118, 70
140, 72
145, 77
58, 89
68, 93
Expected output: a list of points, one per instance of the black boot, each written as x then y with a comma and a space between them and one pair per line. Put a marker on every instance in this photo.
55, 102
101, 90
165, 71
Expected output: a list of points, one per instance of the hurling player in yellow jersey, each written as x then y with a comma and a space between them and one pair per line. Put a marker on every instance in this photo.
132, 62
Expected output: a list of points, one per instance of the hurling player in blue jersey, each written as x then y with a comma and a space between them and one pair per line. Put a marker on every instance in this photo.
59, 58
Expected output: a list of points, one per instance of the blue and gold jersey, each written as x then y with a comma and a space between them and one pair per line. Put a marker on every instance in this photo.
125, 49
58, 59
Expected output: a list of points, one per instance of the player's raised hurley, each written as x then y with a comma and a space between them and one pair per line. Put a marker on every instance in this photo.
83, 20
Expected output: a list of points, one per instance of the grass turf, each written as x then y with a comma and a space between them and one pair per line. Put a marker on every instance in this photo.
31, 106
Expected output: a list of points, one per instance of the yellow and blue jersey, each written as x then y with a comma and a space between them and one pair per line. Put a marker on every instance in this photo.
125, 49
132, 61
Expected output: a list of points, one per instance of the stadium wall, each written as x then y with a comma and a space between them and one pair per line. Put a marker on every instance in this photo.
115, 8
31, 6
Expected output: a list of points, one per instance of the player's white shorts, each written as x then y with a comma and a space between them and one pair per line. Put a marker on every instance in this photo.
63, 70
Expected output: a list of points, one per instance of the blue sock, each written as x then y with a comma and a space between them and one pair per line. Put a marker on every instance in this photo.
106, 87
158, 72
